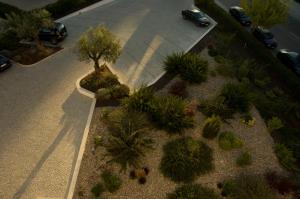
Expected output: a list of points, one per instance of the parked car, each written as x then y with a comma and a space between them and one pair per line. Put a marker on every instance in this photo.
240, 15
5, 63
196, 16
265, 36
55, 34
290, 59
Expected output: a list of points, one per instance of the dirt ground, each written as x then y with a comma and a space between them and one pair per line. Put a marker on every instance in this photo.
257, 141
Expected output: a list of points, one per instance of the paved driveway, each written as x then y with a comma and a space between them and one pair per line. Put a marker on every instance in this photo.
43, 117
28, 4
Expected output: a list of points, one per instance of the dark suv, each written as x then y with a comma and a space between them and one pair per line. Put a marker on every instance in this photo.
265, 36
4, 63
240, 15
55, 34
290, 59
196, 16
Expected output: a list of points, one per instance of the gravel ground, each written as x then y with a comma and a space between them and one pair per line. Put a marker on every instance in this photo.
257, 141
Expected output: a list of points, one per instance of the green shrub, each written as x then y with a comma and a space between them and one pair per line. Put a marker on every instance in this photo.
7, 9
95, 81
190, 66
228, 141
8, 41
225, 67
174, 62
168, 112
139, 100
274, 124
216, 107
290, 137
236, 97
244, 159
185, 158
211, 127
111, 181
119, 91
103, 94
193, 191
285, 157
213, 52
98, 189
250, 187
128, 140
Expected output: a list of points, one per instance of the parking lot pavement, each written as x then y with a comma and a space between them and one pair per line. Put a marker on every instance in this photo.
43, 116
28, 4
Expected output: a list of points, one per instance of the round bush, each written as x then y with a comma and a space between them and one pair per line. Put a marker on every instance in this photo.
185, 158
193, 191
236, 97
228, 141
211, 127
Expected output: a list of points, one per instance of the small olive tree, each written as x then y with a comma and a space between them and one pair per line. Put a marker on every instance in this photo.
98, 43
266, 13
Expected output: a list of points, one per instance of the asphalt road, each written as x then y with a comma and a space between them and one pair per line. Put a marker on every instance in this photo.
28, 4
42, 116
288, 34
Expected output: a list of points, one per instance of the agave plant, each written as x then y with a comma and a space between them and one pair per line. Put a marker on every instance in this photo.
128, 140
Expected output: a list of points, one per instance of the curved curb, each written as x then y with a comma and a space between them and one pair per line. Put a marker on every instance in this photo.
84, 91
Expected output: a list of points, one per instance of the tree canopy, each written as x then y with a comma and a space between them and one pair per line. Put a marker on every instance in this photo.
98, 43
266, 13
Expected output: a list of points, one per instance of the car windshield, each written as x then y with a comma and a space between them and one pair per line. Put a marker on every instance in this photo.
198, 14
268, 35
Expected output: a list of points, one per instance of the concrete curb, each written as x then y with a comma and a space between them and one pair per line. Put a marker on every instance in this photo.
84, 91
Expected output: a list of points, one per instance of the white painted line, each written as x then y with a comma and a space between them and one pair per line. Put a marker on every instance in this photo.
91, 7
81, 151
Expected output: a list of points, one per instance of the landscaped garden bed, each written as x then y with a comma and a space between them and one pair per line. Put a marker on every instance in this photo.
28, 56
176, 136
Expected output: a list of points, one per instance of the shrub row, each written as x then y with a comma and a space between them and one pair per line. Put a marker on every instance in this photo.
231, 25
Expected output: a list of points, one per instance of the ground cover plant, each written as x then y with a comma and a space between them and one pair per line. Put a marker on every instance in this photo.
244, 159
186, 158
211, 127
193, 191
228, 141
111, 181
249, 187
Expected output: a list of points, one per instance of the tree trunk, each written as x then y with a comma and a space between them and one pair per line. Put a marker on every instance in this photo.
96, 66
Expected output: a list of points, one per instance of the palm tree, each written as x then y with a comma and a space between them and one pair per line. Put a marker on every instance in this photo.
128, 140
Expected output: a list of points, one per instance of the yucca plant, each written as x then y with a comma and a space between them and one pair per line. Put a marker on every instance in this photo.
128, 140
168, 113
190, 66
211, 127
